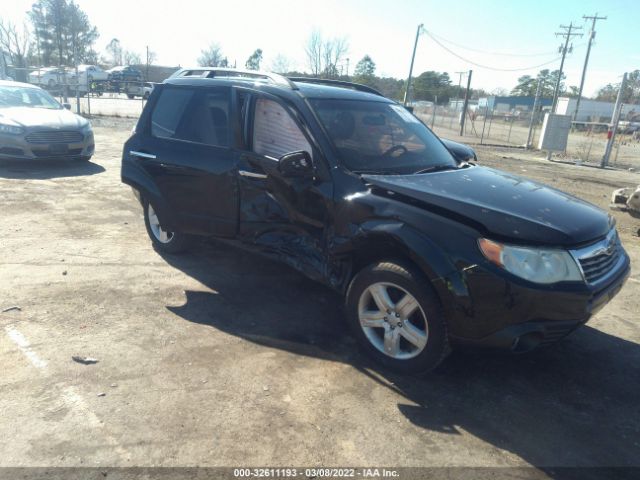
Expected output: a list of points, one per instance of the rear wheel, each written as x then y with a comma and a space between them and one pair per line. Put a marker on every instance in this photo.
397, 318
162, 239
131, 96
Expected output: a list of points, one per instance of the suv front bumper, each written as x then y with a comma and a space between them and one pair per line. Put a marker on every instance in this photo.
531, 318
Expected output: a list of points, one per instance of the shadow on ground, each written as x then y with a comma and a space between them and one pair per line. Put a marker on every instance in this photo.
44, 170
574, 404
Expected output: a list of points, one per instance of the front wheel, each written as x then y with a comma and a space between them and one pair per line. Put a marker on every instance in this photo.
163, 240
397, 317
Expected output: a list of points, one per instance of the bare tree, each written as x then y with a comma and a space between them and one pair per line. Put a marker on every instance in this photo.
131, 58
324, 55
334, 51
151, 57
313, 50
212, 57
115, 50
15, 42
281, 64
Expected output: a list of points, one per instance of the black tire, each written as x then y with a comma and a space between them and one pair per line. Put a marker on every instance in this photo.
414, 282
84, 159
130, 96
178, 242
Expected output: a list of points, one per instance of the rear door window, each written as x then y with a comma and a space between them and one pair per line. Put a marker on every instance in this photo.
193, 115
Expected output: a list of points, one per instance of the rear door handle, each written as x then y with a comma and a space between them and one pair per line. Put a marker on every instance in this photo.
135, 153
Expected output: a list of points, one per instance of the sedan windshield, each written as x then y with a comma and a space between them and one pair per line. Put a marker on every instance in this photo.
378, 137
26, 97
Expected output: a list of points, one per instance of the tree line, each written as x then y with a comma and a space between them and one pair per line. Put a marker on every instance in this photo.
59, 33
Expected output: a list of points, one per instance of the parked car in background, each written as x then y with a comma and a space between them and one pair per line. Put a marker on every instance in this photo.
33, 125
124, 74
91, 73
147, 89
52, 77
429, 249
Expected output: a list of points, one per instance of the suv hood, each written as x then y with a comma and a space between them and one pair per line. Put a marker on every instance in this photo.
42, 117
503, 205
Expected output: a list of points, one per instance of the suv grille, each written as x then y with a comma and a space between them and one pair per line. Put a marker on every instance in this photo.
598, 260
55, 136
599, 265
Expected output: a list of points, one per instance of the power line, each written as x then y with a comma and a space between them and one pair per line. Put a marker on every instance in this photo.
542, 54
487, 66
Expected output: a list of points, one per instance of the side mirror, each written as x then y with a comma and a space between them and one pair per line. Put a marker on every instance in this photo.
296, 165
67, 106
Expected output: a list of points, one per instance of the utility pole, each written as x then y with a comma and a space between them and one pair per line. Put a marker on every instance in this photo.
466, 103
567, 33
407, 95
347, 67
147, 75
614, 123
592, 35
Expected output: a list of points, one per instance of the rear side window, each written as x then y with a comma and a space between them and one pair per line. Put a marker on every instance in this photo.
275, 132
194, 115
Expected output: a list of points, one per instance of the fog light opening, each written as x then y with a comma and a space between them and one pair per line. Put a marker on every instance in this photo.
526, 342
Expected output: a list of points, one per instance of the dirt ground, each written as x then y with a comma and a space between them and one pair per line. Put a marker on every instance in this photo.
222, 358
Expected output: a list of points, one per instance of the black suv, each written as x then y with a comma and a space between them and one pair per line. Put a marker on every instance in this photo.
348, 187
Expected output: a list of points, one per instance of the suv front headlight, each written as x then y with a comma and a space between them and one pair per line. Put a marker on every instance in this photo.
538, 265
12, 129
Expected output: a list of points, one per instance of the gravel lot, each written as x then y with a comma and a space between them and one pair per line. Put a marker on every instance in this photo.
221, 358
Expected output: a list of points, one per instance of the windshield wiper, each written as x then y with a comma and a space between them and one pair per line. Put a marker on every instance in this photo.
376, 172
436, 168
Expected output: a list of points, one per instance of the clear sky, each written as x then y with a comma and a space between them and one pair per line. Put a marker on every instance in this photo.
385, 29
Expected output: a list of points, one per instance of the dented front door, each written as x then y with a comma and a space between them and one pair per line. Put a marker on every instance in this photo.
285, 217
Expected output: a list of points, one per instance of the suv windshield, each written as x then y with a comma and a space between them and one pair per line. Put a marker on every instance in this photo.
27, 97
378, 137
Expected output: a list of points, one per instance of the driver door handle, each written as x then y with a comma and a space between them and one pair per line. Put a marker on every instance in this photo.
245, 173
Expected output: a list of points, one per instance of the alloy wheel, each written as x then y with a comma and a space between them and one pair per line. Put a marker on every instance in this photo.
159, 233
393, 320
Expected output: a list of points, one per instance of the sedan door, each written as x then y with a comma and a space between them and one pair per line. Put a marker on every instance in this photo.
188, 155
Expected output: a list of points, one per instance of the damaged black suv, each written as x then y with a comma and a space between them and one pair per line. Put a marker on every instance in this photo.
348, 187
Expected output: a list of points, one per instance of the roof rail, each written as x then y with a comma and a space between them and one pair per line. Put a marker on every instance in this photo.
337, 83
212, 72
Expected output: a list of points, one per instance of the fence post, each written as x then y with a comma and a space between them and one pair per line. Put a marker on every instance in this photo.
510, 127
484, 123
533, 116
435, 105
490, 122
617, 110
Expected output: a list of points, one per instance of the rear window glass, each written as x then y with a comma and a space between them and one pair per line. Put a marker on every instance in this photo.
200, 116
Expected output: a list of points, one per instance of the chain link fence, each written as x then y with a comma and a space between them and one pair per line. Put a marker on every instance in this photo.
586, 143
515, 128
